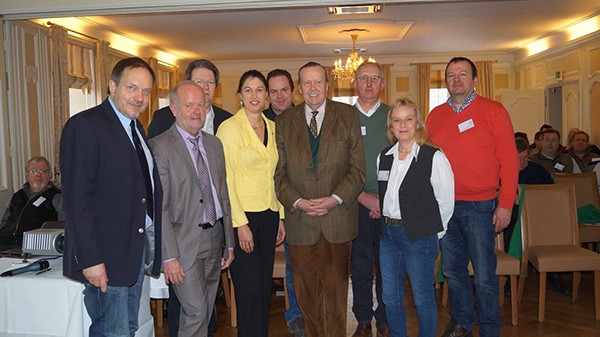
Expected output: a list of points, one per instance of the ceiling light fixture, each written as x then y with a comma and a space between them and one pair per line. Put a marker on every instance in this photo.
346, 72
357, 9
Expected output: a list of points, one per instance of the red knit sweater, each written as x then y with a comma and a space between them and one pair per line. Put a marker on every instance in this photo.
482, 155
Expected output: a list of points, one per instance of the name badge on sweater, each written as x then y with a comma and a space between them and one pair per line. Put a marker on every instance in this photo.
363, 130
39, 201
383, 175
466, 125
559, 167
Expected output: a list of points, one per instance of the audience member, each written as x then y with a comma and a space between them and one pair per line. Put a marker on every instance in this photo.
320, 173
581, 152
38, 201
206, 75
481, 157
369, 83
416, 189
251, 157
112, 197
550, 157
537, 142
197, 237
281, 92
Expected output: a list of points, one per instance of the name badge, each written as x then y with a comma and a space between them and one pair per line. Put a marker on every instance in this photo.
466, 125
363, 130
383, 175
559, 166
39, 201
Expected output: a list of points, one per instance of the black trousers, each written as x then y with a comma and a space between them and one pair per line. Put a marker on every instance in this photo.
252, 274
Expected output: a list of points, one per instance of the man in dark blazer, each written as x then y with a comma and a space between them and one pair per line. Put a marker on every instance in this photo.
320, 173
206, 75
195, 247
112, 197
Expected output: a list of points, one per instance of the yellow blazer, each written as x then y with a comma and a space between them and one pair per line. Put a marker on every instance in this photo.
250, 167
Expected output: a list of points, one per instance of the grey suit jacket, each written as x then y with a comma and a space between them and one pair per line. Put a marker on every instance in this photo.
340, 170
182, 209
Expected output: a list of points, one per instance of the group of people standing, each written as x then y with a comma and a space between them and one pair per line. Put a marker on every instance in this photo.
321, 175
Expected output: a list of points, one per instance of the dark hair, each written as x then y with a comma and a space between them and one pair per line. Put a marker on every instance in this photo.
522, 135
548, 131
545, 126
462, 59
281, 72
311, 64
522, 144
202, 64
129, 63
252, 74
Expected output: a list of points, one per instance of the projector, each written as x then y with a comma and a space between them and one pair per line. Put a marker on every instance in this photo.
44, 241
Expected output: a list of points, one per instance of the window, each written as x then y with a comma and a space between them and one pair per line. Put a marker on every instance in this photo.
345, 99
437, 97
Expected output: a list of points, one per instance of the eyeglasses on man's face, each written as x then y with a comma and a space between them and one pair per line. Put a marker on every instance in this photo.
372, 79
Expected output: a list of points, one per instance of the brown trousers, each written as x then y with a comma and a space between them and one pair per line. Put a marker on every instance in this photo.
320, 274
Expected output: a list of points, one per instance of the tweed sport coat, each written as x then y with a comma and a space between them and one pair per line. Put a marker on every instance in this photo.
340, 171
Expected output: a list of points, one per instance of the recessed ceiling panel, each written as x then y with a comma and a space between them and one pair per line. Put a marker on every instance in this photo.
367, 30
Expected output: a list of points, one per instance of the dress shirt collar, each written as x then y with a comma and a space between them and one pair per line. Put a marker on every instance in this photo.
465, 103
414, 152
308, 114
209, 122
371, 111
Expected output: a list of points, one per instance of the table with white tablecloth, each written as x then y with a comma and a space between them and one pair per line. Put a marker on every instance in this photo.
49, 304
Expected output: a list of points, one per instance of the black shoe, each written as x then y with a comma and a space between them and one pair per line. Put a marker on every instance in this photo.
557, 283
456, 330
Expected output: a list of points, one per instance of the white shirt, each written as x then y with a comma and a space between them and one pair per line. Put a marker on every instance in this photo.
370, 112
209, 125
442, 181
308, 113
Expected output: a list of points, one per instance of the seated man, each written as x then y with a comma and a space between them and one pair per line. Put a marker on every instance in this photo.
38, 201
550, 156
581, 152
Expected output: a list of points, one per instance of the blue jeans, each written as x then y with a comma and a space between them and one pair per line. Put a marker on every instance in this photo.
365, 252
114, 313
398, 257
471, 236
293, 311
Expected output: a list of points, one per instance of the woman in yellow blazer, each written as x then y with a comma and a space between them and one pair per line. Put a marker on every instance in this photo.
250, 158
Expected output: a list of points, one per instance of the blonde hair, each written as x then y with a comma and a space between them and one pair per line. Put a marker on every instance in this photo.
421, 136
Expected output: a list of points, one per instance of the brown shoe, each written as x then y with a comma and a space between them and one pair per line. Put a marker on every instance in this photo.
384, 331
363, 330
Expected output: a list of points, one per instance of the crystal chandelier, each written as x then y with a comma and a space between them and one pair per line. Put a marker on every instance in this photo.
346, 72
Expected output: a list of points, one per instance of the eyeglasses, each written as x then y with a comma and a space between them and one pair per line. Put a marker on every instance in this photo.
38, 171
203, 82
373, 79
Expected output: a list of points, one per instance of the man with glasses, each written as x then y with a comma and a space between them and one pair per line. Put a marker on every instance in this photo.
37, 202
206, 75
369, 83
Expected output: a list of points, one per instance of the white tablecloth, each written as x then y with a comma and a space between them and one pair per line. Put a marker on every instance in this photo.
49, 305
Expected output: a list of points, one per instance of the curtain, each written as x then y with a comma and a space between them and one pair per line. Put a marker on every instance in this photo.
102, 68
387, 91
60, 84
155, 89
423, 85
484, 79
332, 82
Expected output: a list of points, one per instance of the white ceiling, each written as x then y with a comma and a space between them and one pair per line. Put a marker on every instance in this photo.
446, 27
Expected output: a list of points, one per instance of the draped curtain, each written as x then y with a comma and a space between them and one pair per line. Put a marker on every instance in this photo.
60, 84
423, 86
387, 91
484, 79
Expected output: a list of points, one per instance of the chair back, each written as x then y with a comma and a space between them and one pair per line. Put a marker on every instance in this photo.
549, 216
586, 187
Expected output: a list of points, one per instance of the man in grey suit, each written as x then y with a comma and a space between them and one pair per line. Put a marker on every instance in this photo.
196, 212
320, 173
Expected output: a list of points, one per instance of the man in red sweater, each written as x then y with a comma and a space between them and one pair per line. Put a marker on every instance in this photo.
477, 136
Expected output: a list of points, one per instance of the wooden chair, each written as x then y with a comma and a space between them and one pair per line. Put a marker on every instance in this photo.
586, 191
507, 266
278, 272
551, 240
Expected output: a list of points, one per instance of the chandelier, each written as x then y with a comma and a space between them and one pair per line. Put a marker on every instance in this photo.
346, 72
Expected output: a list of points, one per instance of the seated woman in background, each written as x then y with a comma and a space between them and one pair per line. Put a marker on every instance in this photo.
250, 158
580, 151
416, 193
